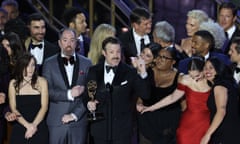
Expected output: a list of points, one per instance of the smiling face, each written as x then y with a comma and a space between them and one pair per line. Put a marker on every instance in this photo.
199, 46
37, 30
80, 24
192, 26
164, 61
209, 71
234, 55
147, 56
144, 27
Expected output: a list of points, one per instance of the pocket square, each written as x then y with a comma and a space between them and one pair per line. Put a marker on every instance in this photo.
81, 72
124, 82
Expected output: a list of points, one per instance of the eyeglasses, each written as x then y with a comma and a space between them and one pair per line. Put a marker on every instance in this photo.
164, 57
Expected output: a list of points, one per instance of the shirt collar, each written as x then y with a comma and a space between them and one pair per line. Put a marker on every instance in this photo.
230, 31
74, 55
207, 56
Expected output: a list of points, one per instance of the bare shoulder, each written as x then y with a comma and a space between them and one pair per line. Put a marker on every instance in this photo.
41, 80
12, 82
185, 79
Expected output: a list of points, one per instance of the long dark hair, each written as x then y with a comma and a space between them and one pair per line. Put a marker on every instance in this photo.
20, 70
223, 72
196, 63
15, 44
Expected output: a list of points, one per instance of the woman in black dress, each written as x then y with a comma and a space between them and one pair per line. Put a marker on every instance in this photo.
28, 99
223, 104
159, 127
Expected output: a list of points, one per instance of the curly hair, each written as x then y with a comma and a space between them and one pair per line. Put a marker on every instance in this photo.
217, 32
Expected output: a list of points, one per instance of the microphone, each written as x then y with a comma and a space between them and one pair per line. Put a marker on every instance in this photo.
109, 87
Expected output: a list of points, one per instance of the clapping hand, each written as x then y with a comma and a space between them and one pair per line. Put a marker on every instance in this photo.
77, 90
67, 118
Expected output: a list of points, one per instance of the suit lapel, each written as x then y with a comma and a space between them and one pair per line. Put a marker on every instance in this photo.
63, 71
75, 71
119, 74
100, 79
132, 44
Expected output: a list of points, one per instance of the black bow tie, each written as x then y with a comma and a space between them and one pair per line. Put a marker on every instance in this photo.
108, 68
33, 46
70, 60
237, 69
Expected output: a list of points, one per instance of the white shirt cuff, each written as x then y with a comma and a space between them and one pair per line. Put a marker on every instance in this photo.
69, 95
74, 116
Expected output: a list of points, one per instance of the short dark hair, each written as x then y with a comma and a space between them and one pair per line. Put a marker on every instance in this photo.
112, 40
208, 37
229, 5
70, 15
10, 3
236, 40
35, 17
138, 14
66, 29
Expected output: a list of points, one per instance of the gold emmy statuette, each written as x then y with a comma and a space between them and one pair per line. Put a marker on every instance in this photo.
92, 87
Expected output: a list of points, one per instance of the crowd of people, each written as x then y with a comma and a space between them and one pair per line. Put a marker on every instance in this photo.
139, 86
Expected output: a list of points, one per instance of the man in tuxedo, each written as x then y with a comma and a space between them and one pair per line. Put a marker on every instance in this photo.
226, 18
202, 45
139, 34
36, 44
117, 84
234, 53
76, 19
66, 75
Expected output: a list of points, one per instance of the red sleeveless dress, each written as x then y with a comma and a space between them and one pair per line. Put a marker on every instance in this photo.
195, 120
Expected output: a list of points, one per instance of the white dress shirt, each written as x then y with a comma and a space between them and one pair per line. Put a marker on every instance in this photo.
237, 75
38, 53
138, 38
108, 77
230, 31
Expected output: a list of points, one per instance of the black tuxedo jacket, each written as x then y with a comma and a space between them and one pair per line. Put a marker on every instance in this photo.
49, 50
116, 101
129, 46
235, 34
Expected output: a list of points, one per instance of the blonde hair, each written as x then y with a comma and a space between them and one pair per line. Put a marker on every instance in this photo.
199, 15
101, 32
